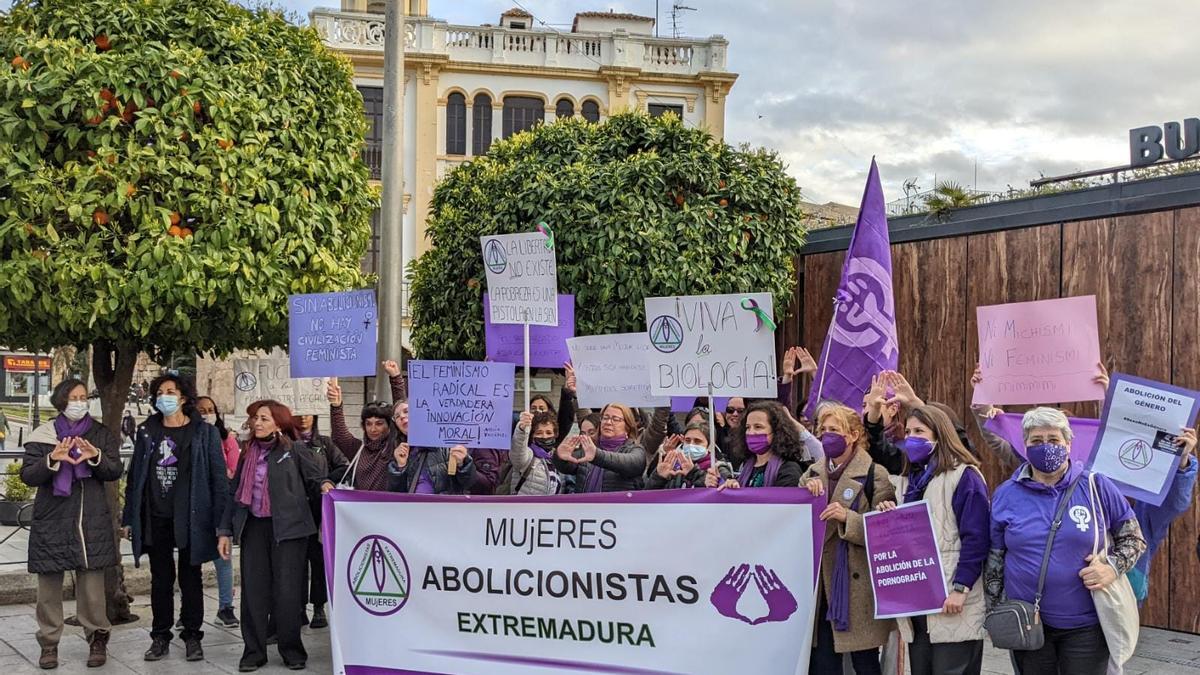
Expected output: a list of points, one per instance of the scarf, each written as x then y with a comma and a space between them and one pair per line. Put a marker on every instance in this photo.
66, 476
769, 474
538, 451
918, 482
255, 453
595, 477
839, 589
371, 471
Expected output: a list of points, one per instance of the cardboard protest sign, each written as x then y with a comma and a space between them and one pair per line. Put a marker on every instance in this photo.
270, 378
1039, 352
906, 567
461, 584
547, 344
522, 278
720, 340
333, 334
1141, 421
466, 403
685, 404
612, 369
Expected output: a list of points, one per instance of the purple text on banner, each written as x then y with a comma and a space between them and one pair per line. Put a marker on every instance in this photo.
333, 334
905, 565
465, 403
1037, 352
1085, 430
547, 344
685, 404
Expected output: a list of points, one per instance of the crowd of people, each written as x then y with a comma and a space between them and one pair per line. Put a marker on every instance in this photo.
195, 488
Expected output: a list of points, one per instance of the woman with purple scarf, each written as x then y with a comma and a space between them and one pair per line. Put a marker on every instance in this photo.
269, 515
532, 471
68, 460
613, 464
846, 622
939, 469
776, 454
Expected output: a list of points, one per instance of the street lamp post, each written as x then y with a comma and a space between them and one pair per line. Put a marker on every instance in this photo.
391, 222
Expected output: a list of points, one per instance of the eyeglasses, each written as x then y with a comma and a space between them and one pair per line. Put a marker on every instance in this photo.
734, 411
612, 418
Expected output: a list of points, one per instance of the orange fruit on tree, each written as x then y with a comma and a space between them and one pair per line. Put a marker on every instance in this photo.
102, 42
186, 232
107, 94
19, 61
175, 231
175, 75
197, 108
224, 143
100, 217
175, 218
724, 202
130, 190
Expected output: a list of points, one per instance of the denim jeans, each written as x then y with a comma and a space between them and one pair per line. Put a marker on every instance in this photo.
224, 582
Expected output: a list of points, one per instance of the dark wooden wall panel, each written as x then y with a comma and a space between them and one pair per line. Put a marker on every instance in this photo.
1180, 551
1003, 267
822, 273
1126, 262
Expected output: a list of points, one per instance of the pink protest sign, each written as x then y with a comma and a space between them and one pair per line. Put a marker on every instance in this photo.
1045, 351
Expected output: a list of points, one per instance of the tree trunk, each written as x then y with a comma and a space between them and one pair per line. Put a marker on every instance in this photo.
112, 367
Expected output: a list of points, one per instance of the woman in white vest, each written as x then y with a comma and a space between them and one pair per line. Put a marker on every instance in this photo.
939, 469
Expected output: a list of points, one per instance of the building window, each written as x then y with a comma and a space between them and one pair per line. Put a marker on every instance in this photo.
370, 259
591, 111
373, 140
481, 133
517, 25
456, 124
659, 109
521, 113
564, 108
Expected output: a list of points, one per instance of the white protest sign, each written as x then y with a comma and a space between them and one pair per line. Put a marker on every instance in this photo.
613, 369
711, 339
1136, 447
522, 278
270, 378
509, 585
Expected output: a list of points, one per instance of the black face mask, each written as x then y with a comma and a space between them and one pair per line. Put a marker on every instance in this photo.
546, 444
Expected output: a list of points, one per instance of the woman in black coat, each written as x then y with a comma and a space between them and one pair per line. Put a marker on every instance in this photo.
333, 463
68, 460
270, 515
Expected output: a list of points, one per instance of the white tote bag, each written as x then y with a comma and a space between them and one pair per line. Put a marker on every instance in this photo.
1115, 604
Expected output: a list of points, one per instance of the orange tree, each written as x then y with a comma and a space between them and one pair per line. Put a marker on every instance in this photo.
170, 170
640, 207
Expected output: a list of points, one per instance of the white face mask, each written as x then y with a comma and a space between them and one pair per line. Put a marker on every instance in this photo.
76, 410
211, 419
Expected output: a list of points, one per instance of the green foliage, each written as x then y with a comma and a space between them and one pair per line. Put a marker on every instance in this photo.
948, 196
639, 206
15, 489
122, 118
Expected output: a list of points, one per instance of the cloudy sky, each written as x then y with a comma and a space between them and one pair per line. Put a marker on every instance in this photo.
933, 88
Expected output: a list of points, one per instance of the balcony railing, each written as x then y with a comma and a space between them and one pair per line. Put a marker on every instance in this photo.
359, 32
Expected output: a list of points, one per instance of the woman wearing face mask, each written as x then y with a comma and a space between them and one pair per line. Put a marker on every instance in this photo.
369, 457
232, 451
532, 471
68, 460
940, 470
271, 517
684, 461
777, 457
1023, 509
174, 498
846, 622
330, 462
614, 463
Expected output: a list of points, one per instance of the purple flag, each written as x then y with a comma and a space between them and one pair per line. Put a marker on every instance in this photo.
862, 335
1008, 427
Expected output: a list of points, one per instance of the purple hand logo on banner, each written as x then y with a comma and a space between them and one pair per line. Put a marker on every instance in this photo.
781, 604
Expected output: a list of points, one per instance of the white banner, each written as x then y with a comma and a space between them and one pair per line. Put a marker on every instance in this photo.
269, 378
522, 278
613, 369
500, 585
717, 339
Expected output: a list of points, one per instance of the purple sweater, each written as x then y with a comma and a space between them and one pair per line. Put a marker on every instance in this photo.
972, 510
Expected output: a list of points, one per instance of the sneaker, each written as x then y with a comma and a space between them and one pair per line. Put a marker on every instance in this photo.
318, 617
227, 618
298, 665
98, 653
192, 649
247, 667
49, 658
158, 650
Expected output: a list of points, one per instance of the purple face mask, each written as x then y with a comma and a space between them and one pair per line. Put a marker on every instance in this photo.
917, 449
757, 443
833, 444
612, 442
1047, 457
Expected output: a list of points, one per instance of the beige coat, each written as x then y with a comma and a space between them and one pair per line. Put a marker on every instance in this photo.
865, 632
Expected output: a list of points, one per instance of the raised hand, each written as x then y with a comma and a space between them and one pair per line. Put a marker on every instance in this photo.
727, 593
333, 392
1101, 377
673, 441
807, 363
400, 454
589, 449
1187, 442
391, 368
62, 451
875, 398
977, 376
87, 451
526, 420
567, 448
685, 464
902, 391
787, 365
781, 604
571, 381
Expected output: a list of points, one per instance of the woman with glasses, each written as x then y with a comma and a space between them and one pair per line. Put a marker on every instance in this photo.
612, 464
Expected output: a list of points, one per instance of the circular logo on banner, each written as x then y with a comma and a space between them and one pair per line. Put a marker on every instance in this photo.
245, 381
378, 575
494, 256
666, 334
1136, 454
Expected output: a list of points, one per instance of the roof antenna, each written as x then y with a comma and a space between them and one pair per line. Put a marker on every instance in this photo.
677, 11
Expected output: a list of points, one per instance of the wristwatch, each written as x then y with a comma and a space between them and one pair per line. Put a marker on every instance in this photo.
959, 588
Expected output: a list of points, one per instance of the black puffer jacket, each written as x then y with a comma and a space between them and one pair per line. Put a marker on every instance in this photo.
74, 532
